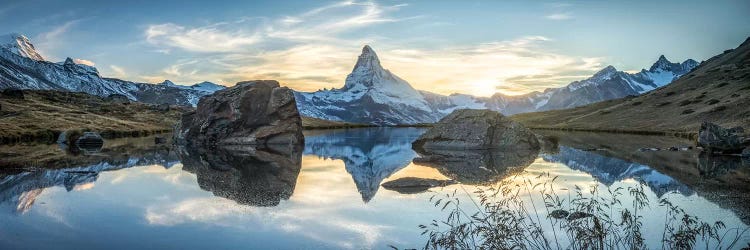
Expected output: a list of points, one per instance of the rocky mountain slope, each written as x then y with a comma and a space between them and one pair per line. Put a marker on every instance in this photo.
718, 91
21, 67
374, 95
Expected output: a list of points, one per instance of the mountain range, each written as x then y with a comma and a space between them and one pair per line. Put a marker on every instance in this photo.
371, 94
21, 67
718, 90
374, 95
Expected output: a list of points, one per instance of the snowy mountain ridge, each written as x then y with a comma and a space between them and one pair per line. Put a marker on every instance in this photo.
374, 95
21, 67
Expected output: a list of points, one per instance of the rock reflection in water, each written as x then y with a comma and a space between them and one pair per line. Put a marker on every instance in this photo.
247, 175
370, 155
477, 166
712, 166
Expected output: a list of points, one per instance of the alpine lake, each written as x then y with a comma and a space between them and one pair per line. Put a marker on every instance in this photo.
135, 194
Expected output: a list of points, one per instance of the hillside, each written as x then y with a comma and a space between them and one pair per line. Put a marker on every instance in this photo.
315, 123
41, 115
718, 90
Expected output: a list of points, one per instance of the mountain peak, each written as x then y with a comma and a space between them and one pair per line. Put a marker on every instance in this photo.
606, 71
167, 83
689, 64
69, 61
662, 63
368, 60
19, 45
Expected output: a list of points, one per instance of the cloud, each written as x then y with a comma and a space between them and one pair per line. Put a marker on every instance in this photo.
316, 49
559, 16
83, 61
52, 39
201, 39
118, 71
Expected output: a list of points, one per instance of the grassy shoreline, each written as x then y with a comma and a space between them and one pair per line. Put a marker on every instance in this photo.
680, 134
40, 116
50, 136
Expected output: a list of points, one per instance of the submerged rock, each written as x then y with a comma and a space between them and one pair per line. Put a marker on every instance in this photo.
477, 129
716, 139
250, 113
412, 185
90, 143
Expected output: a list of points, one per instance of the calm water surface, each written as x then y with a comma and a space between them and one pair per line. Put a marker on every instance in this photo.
132, 194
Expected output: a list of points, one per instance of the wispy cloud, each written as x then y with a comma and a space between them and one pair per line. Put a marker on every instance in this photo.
117, 71
212, 38
316, 49
559, 16
52, 39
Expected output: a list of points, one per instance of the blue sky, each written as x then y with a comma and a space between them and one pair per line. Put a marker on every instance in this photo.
474, 47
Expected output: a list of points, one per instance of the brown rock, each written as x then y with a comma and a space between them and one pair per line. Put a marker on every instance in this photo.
716, 139
250, 113
477, 129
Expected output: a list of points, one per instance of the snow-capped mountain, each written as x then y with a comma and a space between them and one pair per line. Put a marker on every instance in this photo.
371, 94
375, 95
21, 67
19, 45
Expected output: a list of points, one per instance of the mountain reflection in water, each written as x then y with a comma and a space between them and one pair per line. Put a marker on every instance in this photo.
317, 192
370, 155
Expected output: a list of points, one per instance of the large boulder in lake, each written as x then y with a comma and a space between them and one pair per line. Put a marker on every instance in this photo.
716, 139
477, 129
250, 113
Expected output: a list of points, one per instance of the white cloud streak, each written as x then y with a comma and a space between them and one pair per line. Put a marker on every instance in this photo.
559, 16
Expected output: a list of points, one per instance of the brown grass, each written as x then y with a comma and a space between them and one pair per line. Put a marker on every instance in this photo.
42, 115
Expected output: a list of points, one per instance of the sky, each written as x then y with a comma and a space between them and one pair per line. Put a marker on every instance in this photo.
471, 47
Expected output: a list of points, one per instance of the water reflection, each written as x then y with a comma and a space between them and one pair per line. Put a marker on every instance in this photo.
609, 170
23, 188
713, 166
277, 198
370, 155
247, 175
477, 166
